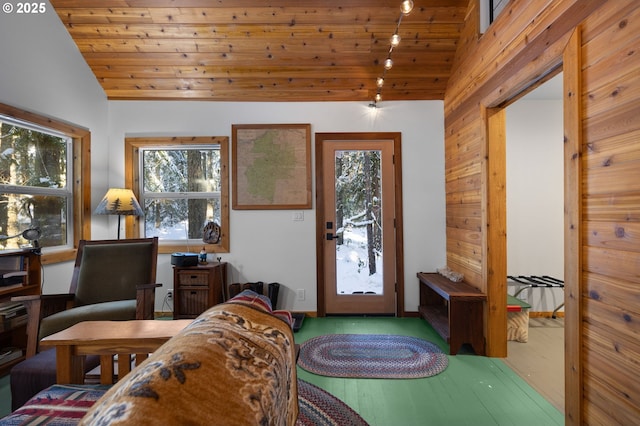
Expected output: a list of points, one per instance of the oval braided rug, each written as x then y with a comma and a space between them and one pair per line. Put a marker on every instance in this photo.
319, 407
382, 356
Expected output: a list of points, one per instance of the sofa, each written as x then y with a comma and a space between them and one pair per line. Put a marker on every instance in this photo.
234, 365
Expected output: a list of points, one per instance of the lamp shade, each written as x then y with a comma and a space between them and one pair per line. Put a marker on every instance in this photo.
120, 201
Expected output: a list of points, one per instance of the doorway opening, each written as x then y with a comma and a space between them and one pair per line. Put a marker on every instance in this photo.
535, 235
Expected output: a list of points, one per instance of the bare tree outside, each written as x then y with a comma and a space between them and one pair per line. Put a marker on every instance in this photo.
33, 178
358, 222
174, 181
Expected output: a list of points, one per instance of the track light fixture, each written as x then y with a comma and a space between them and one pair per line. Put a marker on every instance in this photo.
388, 64
395, 40
405, 8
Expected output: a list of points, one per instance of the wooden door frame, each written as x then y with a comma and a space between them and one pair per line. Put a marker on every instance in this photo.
573, 260
320, 138
494, 212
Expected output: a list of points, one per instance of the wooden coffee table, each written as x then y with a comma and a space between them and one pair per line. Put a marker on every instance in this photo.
107, 339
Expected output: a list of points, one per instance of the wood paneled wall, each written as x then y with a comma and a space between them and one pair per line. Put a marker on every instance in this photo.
611, 214
599, 42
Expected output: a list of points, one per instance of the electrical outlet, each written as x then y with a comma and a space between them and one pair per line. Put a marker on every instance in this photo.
170, 294
300, 294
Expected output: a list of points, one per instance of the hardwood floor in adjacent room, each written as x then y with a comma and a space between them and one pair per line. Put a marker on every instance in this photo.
540, 361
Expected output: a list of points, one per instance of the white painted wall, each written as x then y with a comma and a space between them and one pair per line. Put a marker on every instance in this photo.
535, 196
42, 71
258, 249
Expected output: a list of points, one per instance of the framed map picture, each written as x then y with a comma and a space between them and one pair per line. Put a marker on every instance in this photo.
271, 166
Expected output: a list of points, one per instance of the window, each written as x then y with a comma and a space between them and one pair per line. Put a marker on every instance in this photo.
489, 11
181, 184
40, 159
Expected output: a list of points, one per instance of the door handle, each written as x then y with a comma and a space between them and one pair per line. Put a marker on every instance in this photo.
337, 237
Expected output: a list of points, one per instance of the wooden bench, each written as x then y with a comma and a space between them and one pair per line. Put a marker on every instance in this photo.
454, 310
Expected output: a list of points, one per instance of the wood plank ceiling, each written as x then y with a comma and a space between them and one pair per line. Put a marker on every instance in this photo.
274, 50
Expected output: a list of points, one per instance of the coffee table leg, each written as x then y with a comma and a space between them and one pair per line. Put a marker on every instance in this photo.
124, 365
69, 367
106, 369
140, 358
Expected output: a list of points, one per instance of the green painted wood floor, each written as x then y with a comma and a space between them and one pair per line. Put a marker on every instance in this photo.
473, 390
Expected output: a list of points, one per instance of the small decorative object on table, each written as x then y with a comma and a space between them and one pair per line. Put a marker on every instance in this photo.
202, 258
211, 233
456, 277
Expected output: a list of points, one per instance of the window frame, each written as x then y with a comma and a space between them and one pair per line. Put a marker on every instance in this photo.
488, 12
81, 182
133, 224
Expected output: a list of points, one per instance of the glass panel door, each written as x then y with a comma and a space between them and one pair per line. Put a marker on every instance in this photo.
359, 222
359, 246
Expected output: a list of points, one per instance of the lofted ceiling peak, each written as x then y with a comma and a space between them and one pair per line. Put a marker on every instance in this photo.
280, 50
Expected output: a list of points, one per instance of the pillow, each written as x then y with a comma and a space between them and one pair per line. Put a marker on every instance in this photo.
251, 298
262, 302
285, 316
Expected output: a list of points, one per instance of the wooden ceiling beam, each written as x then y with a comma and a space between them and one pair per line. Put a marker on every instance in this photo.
409, 42
267, 58
271, 95
221, 46
312, 47
289, 16
256, 72
320, 82
98, 4
214, 30
233, 95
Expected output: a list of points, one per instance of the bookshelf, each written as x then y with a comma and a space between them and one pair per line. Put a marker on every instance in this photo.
13, 328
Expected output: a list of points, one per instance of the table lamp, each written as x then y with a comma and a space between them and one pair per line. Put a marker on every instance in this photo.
120, 201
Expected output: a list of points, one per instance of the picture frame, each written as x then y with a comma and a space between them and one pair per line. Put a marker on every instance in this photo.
271, 165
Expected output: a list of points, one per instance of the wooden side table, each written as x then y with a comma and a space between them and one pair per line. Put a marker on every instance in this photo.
197, 288
108, 338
